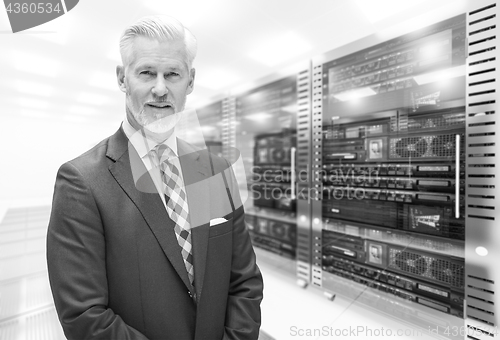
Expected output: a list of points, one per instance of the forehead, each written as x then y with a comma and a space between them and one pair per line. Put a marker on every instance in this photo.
144, 50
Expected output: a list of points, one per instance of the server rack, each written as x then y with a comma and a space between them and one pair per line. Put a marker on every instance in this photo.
481, 211
389, 141
462, 190
269, 125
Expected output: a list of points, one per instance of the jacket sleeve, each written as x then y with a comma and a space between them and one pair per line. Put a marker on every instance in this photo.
243, 315
76, 263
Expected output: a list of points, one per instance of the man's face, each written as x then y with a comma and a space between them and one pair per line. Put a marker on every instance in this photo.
156, 82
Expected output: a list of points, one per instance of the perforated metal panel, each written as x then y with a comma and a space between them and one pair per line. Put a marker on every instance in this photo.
316, 167
430, 146
228, 126
482, 185
444, 271
303, 178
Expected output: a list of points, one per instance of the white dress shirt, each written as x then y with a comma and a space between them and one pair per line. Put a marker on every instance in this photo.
145, 149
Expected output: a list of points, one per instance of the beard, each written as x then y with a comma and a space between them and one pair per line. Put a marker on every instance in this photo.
155, 123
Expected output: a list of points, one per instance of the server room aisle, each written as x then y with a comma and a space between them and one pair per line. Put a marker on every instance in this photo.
291, 312
26, 307
288, 311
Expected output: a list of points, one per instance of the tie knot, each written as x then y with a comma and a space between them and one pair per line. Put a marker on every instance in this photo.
163, 152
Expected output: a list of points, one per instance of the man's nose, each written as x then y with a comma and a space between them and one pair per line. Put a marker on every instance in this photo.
160, 89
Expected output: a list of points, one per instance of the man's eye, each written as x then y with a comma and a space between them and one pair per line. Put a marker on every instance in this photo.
147, 73
173, 74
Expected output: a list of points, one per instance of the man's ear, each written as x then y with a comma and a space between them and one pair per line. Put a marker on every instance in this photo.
120, 77
191, 81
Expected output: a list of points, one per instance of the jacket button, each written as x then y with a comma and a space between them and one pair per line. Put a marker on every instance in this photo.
190, 295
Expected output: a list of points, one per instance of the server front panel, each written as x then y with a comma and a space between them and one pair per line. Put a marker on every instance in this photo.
391, 185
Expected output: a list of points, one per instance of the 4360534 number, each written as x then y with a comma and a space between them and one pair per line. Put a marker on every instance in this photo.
32, 8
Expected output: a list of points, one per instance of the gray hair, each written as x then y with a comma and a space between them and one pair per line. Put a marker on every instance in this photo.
160, 27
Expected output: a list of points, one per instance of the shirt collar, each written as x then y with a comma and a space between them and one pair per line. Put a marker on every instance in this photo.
142, 144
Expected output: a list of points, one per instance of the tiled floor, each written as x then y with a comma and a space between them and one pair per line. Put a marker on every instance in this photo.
288, 311
356, 312
26, 306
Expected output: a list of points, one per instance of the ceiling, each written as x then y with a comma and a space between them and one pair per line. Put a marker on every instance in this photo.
64, 70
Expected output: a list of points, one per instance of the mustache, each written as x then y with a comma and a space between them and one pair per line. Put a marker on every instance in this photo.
160, 100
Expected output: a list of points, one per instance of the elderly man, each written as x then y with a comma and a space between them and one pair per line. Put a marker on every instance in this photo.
147, 238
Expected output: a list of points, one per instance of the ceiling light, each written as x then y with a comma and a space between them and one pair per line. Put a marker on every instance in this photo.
481, 251
440, 75
257, 117
280, 49
379, 10
436, 51
355, 94
34, 88
207, 128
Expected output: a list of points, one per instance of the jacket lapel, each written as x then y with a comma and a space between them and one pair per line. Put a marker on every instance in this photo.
144, 195
196, 172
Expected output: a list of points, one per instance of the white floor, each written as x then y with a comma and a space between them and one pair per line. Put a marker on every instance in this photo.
357, 312
26, 306
288, 311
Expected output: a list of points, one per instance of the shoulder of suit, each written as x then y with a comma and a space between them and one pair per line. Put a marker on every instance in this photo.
90, 158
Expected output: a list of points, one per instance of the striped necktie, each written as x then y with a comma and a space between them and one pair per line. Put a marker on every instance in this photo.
177, 205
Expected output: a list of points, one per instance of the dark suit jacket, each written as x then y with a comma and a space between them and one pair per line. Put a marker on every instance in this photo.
114, 263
